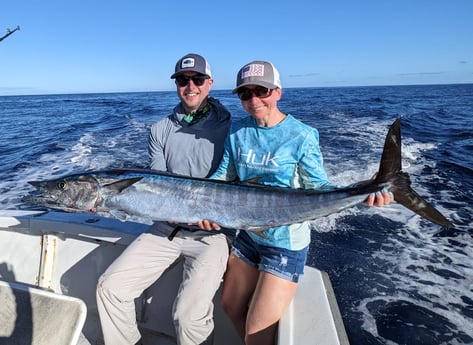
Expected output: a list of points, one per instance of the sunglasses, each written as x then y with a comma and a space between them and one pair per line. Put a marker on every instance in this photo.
246, 94
198, 80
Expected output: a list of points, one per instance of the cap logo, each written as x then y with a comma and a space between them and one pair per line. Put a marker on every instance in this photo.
188, 63
253, 70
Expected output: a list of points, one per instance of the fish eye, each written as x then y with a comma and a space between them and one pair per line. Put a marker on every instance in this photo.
61, 185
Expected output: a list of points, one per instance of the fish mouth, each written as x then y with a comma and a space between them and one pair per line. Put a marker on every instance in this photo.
40, 196
36, 184
40, 199
44, 200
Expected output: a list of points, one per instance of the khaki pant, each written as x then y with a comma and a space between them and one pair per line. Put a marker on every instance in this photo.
142, 263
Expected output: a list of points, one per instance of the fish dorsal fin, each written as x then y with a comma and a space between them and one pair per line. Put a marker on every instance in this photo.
119, 186
253, 181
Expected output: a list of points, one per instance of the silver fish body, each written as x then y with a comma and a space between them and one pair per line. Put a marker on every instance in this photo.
235, 206
158, 196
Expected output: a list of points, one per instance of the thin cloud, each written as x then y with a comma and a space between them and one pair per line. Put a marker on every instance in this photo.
303, 75
421, 73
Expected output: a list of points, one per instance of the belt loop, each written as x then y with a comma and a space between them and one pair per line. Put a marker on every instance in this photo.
174, 232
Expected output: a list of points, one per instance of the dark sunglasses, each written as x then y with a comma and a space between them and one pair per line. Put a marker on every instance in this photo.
198, 80
246, 94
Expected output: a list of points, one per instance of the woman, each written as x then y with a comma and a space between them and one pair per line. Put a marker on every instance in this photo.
276, 149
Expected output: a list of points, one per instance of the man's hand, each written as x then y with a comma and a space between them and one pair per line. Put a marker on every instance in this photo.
207, 225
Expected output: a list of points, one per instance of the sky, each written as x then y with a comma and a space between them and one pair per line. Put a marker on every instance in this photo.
91, 46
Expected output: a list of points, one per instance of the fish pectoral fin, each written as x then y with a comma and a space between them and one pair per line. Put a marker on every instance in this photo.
120, 215
118, 186
125, 217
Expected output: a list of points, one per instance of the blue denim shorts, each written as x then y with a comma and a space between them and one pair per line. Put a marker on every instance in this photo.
283, 263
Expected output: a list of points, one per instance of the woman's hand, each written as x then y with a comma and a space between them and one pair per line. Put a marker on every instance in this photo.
379, 199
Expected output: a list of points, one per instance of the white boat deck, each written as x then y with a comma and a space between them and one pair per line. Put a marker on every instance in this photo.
65, 254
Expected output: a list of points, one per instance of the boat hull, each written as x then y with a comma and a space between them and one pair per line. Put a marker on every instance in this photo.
66, 253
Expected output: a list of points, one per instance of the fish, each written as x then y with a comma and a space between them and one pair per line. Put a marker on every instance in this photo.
147, 196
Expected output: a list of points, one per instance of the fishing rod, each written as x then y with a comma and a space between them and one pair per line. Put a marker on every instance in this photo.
9, 32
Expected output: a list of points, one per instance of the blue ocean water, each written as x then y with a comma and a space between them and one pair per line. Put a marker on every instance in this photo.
398, 279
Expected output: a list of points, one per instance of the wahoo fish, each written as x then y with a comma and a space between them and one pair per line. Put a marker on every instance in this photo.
149, 196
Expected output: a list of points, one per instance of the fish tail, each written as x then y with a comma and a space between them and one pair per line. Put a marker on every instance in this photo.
390, 170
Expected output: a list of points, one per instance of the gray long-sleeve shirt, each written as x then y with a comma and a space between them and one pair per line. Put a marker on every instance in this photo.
191, 150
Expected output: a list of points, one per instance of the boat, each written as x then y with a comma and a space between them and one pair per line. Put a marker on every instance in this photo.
50, 263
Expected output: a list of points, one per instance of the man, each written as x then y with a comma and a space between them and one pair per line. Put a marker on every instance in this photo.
189, 142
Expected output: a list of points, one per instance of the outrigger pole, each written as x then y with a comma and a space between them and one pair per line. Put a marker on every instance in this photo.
9, 32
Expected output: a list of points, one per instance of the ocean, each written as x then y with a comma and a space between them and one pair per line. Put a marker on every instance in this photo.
398, 279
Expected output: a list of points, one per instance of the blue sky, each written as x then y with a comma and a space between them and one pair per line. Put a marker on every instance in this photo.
113, 46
